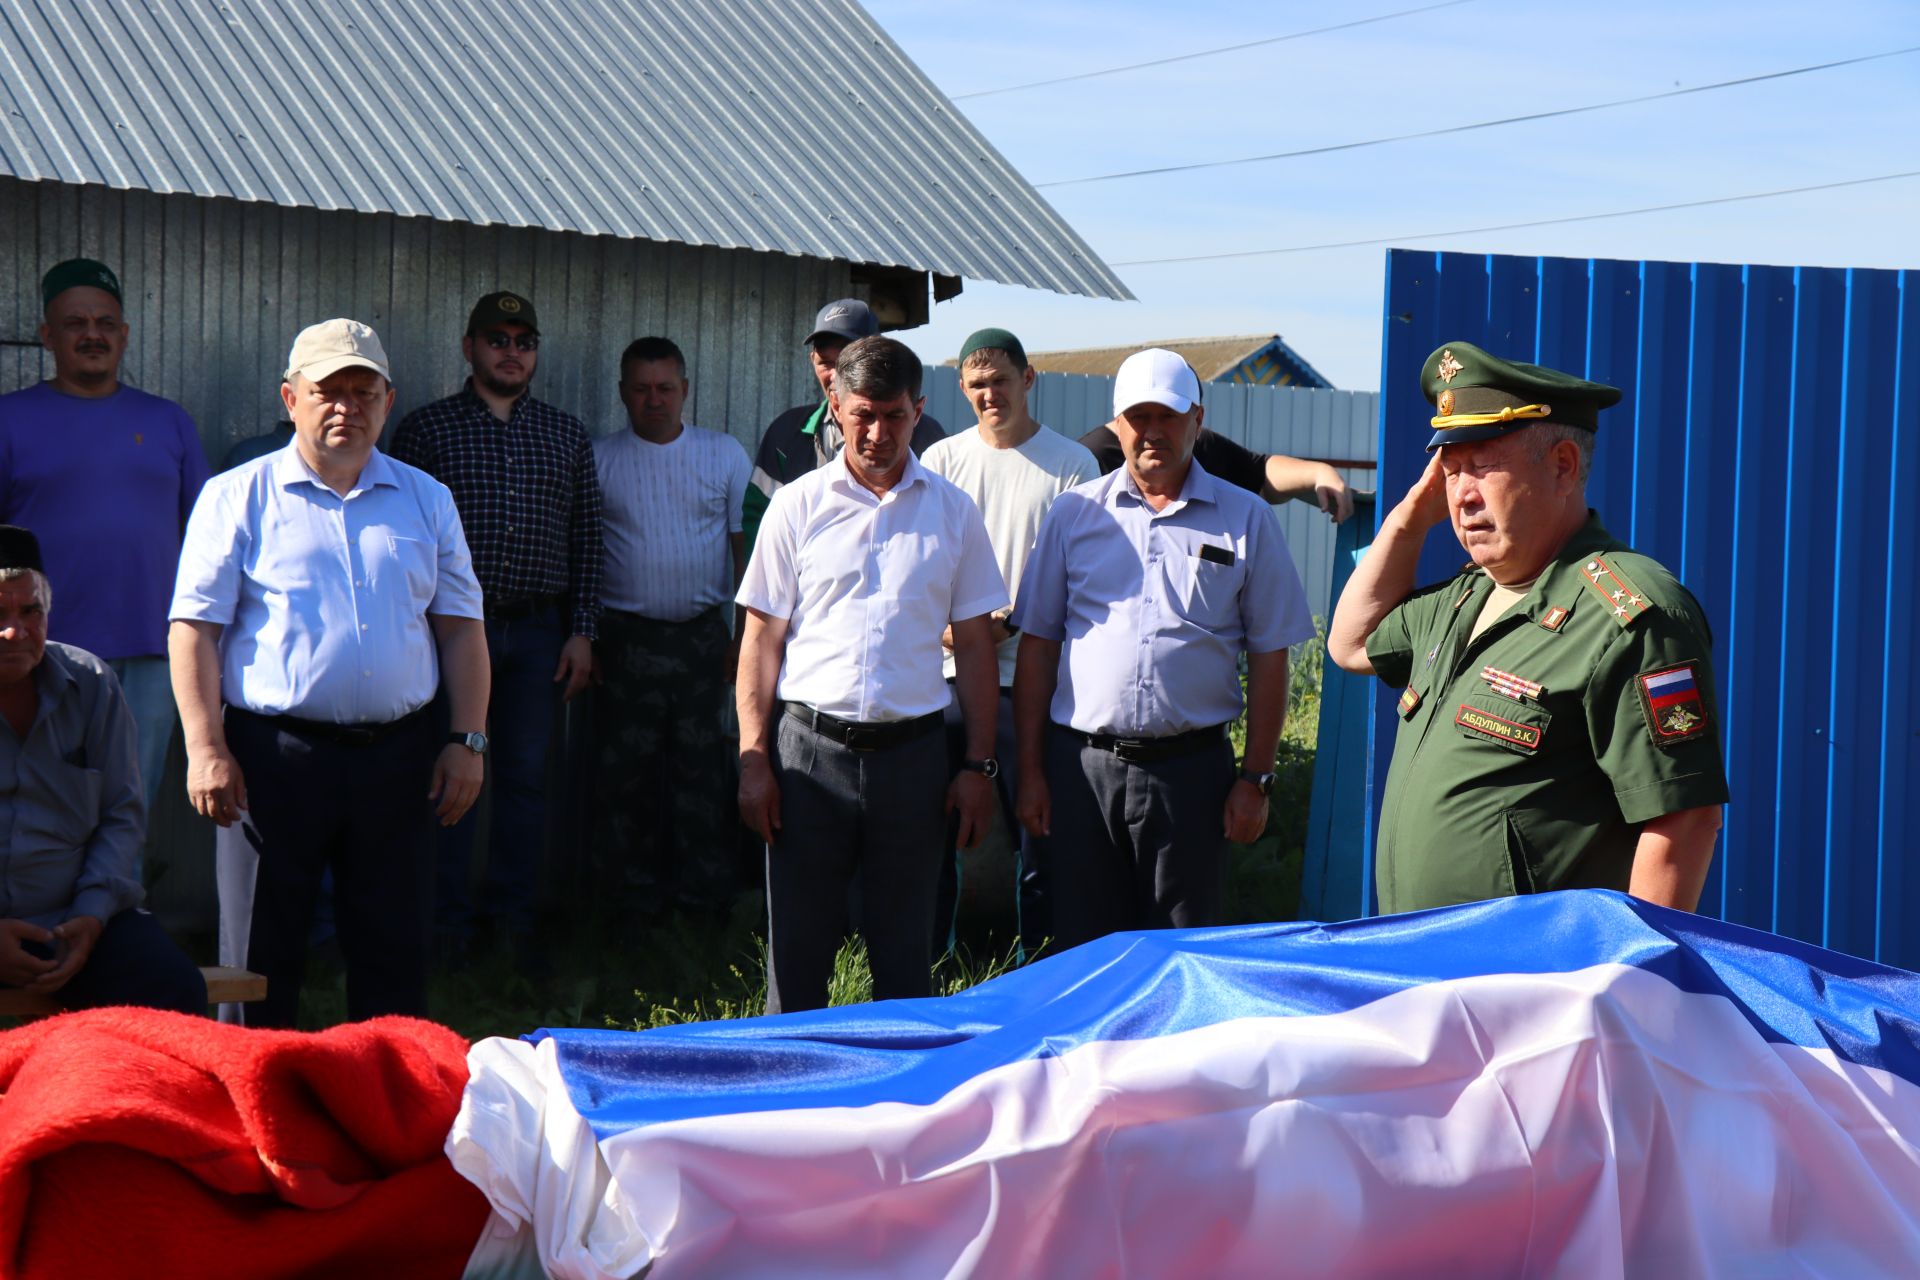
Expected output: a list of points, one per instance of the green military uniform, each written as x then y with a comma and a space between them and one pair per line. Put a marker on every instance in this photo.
1529, 758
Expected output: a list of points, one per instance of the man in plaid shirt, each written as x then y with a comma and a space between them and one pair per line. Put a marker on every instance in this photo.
523, 479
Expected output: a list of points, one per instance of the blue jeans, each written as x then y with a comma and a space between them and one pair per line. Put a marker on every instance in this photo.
149, 692
520, 715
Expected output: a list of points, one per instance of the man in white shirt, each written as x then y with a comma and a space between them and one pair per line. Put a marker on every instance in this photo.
1013, 468
860, 566
670, 495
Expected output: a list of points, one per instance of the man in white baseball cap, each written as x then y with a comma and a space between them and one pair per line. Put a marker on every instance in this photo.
1143, 590
324, 591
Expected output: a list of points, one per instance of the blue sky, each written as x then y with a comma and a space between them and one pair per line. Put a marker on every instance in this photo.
1472, 61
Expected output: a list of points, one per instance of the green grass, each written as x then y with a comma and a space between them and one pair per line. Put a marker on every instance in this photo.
664, 972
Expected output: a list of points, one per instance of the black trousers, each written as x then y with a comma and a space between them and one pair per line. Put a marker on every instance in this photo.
1135, 846
877, 817
360, 809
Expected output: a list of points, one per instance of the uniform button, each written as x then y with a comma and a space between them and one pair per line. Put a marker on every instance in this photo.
363, 626
358, 583
366, 673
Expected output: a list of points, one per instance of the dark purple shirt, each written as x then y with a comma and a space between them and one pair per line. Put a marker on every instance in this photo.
107, 485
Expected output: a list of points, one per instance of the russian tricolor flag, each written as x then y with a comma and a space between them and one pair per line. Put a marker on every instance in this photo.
1670, 687
1569, 1084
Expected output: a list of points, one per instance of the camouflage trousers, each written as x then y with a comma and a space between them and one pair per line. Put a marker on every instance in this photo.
668, 829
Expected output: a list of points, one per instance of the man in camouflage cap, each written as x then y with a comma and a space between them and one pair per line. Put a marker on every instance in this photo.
1557, 728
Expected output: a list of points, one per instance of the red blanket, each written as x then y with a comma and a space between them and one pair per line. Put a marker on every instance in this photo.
134, 1142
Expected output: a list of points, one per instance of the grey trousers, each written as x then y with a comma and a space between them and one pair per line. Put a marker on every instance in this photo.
872, 817
1135, 846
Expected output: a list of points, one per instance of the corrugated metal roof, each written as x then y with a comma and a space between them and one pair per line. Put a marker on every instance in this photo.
1211, 358
790, 128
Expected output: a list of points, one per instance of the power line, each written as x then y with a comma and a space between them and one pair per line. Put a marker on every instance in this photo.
1483, 124
1208, 53
1515, 226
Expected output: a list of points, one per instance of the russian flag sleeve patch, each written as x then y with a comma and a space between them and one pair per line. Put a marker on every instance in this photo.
1675, 710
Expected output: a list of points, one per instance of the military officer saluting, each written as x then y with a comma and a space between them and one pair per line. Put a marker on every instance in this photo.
1556, 726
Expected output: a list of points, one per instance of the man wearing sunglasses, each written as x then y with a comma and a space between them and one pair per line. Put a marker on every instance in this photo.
523, 478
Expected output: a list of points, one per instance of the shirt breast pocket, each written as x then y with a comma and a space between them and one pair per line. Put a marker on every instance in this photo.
63, 815
1205, 589
412, 561
1519, 727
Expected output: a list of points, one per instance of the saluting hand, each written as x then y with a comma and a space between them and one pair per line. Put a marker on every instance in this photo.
1426, 502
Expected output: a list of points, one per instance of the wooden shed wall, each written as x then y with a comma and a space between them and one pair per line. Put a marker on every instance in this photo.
216, 289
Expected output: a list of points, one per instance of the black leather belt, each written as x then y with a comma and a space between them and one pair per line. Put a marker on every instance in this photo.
1147, 750
525, 607
869, 736
356, 735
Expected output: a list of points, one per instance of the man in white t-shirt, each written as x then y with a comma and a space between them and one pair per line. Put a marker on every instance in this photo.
1013, 468
671, 498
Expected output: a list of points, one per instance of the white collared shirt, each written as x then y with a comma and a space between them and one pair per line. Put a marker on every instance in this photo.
866, 585
323, 600
1153, 608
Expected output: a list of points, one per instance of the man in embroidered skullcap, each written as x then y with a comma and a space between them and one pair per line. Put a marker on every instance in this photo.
1557, 725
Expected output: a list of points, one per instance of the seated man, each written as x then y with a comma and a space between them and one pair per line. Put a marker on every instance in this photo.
74, 817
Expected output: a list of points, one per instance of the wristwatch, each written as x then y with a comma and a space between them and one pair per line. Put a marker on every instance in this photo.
989, 767
474, 742
1264, 781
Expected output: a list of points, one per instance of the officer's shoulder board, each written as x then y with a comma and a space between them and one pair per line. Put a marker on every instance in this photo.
1606, 577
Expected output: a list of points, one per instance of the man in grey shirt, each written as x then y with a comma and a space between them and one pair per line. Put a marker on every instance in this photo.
74, 817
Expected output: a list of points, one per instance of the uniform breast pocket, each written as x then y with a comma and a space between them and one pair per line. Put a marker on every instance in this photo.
1516, 726
1206, 587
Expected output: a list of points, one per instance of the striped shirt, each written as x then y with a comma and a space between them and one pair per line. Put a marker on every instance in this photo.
669, 510
526, 492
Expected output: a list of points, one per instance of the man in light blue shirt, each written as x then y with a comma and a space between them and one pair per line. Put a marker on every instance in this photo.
1144, 589
324, 591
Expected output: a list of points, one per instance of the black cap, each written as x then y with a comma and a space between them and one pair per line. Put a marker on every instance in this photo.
849, 320
19, 549
501, 308
75, 273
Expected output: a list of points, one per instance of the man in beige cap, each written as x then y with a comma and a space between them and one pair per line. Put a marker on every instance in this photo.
323, 591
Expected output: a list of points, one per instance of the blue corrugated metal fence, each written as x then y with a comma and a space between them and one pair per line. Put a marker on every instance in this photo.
1764, 451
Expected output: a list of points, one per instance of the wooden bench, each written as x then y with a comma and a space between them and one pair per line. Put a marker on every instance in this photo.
225, 985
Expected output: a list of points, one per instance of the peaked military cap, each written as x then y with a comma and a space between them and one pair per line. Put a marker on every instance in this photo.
1477, 396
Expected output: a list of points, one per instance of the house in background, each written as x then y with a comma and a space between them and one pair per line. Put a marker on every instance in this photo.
1261, 360
711, 173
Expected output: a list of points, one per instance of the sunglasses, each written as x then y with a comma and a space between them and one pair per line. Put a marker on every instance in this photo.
520, 341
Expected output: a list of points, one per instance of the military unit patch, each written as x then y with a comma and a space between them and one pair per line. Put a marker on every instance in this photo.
1675, 710
1409, 700
1525, 736
1625, 602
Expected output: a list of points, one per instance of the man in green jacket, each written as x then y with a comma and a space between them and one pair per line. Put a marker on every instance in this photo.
1557, 725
